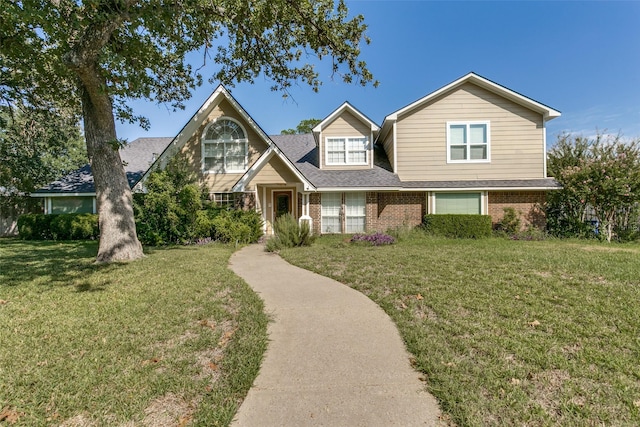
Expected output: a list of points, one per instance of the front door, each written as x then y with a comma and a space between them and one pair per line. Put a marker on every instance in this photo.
281, 203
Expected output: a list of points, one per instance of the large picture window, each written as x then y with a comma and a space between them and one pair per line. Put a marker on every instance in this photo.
346, 151
468, 142
64, 205
224, 147
458, 203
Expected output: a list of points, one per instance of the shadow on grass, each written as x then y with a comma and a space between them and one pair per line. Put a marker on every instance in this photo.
50, 263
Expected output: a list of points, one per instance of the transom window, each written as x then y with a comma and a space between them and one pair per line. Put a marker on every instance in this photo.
468, 142
346, 151
224, 147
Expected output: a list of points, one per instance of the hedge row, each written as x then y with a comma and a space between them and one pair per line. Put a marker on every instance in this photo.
70, 226
458, 226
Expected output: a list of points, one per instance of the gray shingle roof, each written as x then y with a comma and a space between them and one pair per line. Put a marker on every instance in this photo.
303, 153
137, 156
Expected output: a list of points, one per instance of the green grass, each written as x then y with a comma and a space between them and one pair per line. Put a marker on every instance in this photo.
173, 338
507, 332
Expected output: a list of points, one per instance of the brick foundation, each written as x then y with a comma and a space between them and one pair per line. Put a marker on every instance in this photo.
528, 204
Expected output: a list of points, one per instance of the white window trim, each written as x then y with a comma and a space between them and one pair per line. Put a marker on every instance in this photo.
484, 200
224, 159
469, 123
346, 151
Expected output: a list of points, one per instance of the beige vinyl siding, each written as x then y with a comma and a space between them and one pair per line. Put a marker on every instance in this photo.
275, 172
221, 182
516, 137
346, 125
387, 144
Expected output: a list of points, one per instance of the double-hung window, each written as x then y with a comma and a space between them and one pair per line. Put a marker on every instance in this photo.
346, 151
224, 147
468, 142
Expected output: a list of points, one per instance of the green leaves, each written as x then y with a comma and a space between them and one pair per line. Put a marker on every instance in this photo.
602, 174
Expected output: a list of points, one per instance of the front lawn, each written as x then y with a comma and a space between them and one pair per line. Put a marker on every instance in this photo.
172, 339
507, 332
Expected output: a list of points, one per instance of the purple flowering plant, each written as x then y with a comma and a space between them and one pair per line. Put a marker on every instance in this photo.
375, 239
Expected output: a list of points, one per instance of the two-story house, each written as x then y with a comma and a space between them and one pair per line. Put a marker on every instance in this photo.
472, 146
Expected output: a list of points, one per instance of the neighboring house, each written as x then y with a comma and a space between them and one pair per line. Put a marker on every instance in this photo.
472, 146
75, 193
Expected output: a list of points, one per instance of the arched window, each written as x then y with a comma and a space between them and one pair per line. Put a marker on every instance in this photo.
224, 147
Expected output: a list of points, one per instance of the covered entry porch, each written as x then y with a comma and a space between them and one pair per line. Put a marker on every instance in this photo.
274, 200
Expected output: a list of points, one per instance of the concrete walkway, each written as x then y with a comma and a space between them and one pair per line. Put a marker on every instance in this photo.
334, 357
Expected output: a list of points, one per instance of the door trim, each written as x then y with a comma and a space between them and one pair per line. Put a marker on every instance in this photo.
274, 194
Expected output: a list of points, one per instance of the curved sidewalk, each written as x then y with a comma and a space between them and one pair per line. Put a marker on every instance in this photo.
334, 357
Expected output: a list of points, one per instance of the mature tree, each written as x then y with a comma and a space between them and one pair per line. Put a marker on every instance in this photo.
36, 147
603, 174
101, 53
305, 126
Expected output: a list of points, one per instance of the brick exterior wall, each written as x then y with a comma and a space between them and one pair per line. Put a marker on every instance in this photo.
315, 211
387, 210
528, 204
395, 209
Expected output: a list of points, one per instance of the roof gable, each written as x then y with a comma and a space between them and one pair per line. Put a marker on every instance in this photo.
548, 112
218, 96
353, 110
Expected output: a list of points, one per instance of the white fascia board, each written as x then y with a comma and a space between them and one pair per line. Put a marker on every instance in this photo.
62, 195
346, 106
253, 170
386, 127
547, 112
463, 189
355, 189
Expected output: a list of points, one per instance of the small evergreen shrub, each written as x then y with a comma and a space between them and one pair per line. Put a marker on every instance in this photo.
288, 233
458, 226
510, 222
70, 226
375, 239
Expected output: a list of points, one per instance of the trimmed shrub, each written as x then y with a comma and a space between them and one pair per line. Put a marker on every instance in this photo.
70, 226
35, 226
458, 226
75, 227
288, 233
236, 226
375, 239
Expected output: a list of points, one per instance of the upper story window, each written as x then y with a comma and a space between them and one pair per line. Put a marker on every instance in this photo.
224, 147
346, 151
468, 142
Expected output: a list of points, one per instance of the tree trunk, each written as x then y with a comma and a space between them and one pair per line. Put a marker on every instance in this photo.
118, 238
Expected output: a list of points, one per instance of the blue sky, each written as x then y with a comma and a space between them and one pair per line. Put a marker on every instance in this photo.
582, 58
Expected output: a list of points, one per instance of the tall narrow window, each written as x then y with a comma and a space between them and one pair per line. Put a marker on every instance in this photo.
468, 142
355, 212
224, 147
331, 209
